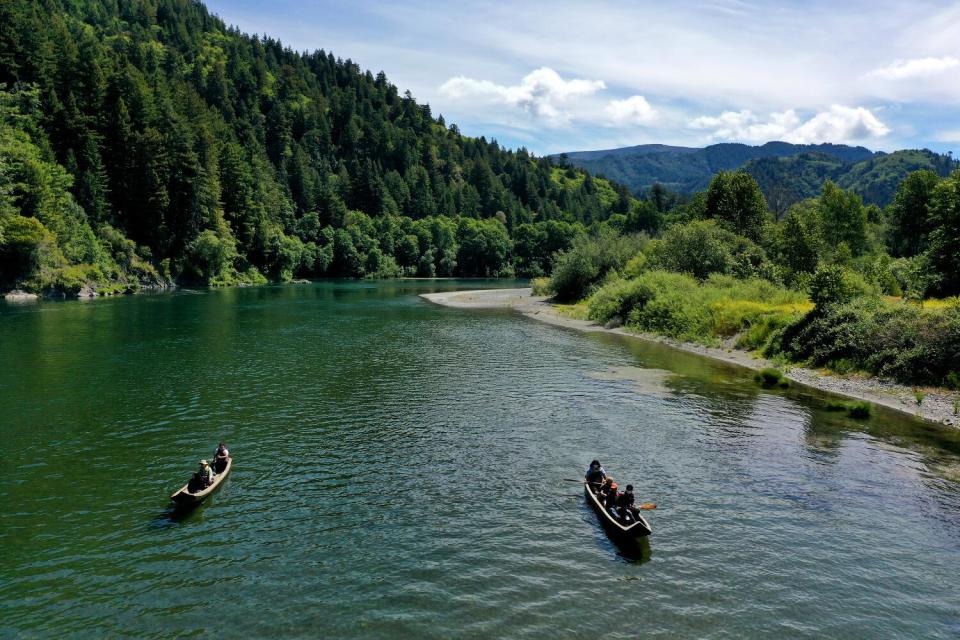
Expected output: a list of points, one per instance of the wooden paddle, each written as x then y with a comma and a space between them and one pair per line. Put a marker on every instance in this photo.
580, 481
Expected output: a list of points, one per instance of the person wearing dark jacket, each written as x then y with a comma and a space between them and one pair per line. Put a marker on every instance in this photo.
625, 505
595, 475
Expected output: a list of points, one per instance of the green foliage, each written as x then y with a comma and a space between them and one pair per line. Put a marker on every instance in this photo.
678, 306
221, 155
858, 409
702, 247
909, 215
835, 284
735, 200
944, 248
211, 257
484, 246
842, 212
896, 340
913, 276
541, 287
800, 242
535, 245
589, 260
698, 248
769, 377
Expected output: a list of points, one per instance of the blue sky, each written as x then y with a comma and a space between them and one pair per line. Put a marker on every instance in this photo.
566, 76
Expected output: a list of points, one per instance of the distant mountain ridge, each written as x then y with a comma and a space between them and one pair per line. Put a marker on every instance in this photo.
786, 172
639, 150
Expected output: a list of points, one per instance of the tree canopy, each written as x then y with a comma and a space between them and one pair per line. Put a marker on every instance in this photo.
219, 157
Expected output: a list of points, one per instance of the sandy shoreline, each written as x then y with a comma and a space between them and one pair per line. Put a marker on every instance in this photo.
938, 405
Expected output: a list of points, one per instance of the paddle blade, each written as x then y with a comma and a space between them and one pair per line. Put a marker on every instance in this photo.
647, 506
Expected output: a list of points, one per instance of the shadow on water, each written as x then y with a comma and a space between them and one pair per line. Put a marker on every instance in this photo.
633, 550
173, 515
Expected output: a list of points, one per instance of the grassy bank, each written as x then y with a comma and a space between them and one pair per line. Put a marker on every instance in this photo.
877, 335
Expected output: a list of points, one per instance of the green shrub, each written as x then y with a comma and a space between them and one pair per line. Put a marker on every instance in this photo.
895, 340
678, 306
770, 377
762, 333
619, 297
698, 248
858, 409
589, 260
573, 275
835, 284
210, 257
953, 380
673, 314
635, 266
541, 287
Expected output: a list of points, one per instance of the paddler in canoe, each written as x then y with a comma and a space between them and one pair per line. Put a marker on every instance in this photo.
625, 506
220, 458
595, 474
202, 479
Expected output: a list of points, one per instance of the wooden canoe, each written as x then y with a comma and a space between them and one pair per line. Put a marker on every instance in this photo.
185, 497
634, 530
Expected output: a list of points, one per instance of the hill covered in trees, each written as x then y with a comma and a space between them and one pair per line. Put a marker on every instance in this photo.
785, 181
146, 142
787, 173
689, 169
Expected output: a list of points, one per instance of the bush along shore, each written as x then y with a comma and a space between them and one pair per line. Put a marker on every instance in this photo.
831, 285
937, 404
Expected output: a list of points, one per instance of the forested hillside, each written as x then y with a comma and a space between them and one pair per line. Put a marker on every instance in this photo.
143, 141
785, 181
685, 169
787, 173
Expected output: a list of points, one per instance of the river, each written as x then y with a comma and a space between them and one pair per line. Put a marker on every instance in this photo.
399, 473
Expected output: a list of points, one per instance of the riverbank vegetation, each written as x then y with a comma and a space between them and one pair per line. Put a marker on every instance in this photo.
831, 283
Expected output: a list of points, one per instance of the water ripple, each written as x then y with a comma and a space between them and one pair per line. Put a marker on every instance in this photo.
399, 473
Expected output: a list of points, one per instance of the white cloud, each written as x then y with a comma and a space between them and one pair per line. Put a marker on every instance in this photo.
951, 135
839, 124
633, 110
542, 93
915, 68
744, 125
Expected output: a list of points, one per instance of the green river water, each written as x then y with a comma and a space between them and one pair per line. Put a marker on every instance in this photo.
398, 473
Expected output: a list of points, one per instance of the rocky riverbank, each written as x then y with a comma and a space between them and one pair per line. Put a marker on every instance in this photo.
938, 405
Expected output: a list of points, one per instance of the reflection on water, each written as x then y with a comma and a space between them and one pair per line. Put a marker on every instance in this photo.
643, 381
400, 469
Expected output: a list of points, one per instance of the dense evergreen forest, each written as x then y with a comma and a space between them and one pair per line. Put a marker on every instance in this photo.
144, 142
